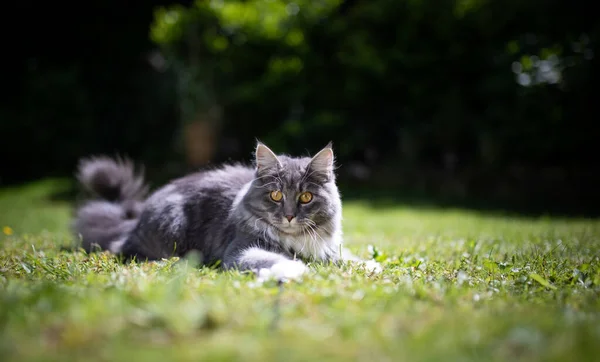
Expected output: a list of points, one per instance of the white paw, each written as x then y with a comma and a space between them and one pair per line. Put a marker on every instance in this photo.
372, 266
286, 270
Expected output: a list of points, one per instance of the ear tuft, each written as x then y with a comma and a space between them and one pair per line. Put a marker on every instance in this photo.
265, 158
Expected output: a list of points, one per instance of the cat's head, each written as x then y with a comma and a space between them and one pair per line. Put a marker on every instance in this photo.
295, 195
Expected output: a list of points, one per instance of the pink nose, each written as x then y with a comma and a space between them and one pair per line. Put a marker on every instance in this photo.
289, 217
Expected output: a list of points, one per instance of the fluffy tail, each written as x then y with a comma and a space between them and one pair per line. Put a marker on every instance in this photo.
105, 222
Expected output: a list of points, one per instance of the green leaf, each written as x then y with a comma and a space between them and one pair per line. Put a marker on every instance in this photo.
538, 278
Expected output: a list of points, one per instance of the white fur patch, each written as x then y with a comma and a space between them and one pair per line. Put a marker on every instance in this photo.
100, 209
117, 245
176, 214
240, 195
167, 198
251, 254
157, 199
372, 266
309, 245
281, 267
283, 270
174, 198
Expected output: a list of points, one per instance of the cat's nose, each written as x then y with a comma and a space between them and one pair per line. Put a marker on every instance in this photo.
289, 217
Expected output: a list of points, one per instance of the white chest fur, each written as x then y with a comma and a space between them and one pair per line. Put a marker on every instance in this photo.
312, 246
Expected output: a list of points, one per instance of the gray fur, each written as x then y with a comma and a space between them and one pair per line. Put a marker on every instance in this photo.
225, 214
113, 180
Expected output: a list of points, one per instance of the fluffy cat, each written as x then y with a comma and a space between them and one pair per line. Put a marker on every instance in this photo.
267, 219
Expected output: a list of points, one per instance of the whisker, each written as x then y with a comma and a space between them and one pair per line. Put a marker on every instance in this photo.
316, 233
303, 237
261, 177
314, 236
323, 227
265, 185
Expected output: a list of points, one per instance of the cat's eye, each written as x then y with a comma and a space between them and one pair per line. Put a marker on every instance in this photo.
276, 195
306, 197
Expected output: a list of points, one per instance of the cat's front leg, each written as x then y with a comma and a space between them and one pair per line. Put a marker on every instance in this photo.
266, 264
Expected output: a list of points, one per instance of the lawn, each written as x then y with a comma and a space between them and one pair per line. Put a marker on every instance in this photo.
457, 285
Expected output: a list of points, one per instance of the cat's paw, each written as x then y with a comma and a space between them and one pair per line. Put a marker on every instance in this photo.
371, 266
283, 270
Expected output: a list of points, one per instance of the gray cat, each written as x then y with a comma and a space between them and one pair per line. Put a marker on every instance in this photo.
267, 219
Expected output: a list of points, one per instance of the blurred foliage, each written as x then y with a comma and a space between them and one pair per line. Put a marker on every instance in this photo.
450, 96
235, 52
476, 90
450, 76
488, 95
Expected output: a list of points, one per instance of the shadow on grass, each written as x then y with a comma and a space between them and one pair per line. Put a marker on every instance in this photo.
70, 193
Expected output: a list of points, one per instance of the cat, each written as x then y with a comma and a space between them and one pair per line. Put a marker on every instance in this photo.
270, 218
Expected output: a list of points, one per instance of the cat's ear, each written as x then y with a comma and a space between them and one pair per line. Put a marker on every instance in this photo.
265, 158
323, 161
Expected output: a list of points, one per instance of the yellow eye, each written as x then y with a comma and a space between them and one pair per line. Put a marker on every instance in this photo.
306, 197
276, 195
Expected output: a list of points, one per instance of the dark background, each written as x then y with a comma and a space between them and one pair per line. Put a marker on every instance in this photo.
489, 104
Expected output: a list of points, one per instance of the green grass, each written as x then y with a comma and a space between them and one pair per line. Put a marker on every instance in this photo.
457, 286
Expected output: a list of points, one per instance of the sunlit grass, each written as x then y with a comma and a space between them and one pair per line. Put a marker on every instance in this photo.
457, 285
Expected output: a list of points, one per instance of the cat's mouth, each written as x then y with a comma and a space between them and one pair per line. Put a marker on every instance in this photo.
286, 228
295, 229
289, 229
